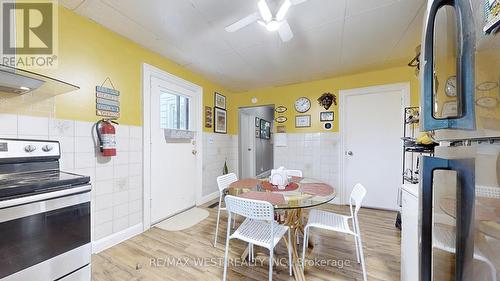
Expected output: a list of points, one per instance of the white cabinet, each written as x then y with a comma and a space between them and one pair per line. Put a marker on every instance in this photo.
409, 234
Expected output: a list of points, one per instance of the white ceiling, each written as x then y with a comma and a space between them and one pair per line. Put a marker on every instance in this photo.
332, 37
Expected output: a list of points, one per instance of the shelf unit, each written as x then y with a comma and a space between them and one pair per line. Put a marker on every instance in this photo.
411, 150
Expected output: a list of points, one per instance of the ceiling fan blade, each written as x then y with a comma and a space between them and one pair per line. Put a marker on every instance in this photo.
264, 11
285, 32
243, 22
283, 10
297, 2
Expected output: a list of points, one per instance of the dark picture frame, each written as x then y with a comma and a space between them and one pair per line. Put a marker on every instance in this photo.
220, 121
326, 116
219, 101
265, 129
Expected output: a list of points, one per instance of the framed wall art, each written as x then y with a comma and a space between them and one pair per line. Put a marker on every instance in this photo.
208, 117
265, 129
302, 121
220, 119
326, 116
219, 101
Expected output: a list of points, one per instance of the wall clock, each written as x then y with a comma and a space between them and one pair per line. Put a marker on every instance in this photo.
302, 104
451, 86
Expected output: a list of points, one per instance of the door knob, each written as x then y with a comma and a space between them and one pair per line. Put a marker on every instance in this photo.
350, 153
194, 151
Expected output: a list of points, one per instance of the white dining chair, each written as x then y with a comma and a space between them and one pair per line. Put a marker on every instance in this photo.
258, 228
340, 223
223, 182
294, 173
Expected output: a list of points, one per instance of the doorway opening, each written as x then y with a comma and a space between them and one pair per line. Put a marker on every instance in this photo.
256, 149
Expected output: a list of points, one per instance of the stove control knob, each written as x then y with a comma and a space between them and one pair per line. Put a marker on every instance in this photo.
47, 148
30, 148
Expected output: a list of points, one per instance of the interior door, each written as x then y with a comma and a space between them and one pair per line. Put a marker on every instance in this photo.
247, 145
173, 164
372, 146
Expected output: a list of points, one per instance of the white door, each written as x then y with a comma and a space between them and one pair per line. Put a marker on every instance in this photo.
247, 145
173, 165
372, 130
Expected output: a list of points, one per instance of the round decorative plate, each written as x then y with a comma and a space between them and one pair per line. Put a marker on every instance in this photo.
487, 102
486, 86
281, 109
281, 119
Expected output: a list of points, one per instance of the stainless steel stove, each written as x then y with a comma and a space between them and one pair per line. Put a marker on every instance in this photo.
44, 214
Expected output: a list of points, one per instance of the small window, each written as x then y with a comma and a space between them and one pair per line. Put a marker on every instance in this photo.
174, 111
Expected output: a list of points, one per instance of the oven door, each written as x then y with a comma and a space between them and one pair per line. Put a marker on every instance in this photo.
45, 239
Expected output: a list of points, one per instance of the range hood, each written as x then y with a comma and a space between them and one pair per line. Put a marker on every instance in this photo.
15, 82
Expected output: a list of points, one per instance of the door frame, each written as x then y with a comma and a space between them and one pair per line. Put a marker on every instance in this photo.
149, 72
240, 148
405, 90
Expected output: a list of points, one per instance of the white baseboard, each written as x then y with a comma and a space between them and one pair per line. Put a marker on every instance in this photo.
116, 238
207, 198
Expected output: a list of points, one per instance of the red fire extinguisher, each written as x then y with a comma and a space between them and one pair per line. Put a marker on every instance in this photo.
106, 135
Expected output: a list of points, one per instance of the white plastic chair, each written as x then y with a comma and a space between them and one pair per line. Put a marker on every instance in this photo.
294, 173
444, 239
340, 223
223, 182
258, 228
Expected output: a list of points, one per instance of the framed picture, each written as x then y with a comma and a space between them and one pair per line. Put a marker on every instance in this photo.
220, 117
281, 129
208, 117
265, 129
257, 122
326, 116
219, 101
302, 121
450, 109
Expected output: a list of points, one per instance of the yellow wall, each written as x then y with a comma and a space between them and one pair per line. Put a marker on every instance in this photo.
286, 95
88, 53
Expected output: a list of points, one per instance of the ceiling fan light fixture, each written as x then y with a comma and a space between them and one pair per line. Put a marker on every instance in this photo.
273, 25
264, 11
283, 10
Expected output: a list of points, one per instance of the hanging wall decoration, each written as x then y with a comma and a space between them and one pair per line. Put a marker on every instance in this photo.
327, 99
281, 119
219, 101
208, 117
107, 100
281, 109
220, 121
265, 129
326, 116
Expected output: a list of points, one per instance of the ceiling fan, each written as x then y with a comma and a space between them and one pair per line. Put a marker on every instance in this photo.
265, 18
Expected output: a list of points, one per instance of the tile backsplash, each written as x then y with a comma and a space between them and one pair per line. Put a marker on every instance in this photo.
316, 154
116, 182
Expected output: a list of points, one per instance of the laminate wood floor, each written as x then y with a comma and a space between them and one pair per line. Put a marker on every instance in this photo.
189, 254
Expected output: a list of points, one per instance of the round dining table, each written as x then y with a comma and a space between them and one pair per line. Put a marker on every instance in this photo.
289, 201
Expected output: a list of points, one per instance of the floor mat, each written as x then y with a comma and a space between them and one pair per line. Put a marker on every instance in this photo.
183, 220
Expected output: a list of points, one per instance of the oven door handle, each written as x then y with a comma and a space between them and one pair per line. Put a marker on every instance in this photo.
44, 196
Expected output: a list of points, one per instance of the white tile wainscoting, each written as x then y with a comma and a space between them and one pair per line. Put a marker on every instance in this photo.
217, 148
116, 181
316, 154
